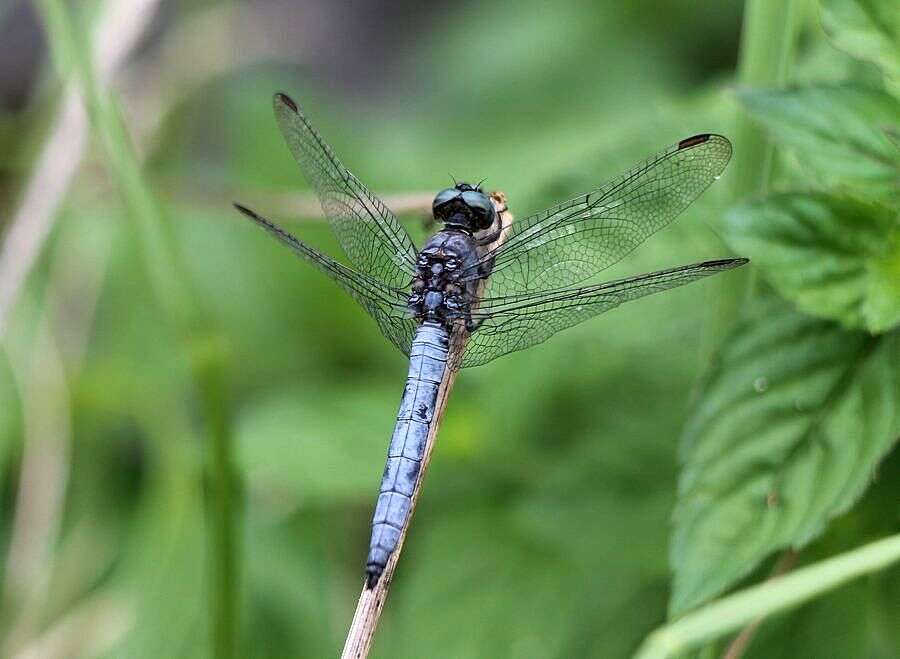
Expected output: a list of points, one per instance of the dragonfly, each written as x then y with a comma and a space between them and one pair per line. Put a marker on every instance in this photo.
502, 296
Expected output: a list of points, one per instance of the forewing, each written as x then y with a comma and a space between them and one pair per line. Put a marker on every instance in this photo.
516, 322
368, 231
575, 240
386, 304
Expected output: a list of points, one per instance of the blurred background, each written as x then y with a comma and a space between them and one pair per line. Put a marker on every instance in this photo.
542, 530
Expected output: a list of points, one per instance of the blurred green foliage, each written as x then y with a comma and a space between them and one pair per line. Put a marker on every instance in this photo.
829, 242
544, 527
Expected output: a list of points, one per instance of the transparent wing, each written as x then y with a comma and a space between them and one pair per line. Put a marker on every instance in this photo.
515, 322
369, 233
386, 304
575, 240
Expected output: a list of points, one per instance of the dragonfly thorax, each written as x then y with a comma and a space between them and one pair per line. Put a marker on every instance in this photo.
443, 288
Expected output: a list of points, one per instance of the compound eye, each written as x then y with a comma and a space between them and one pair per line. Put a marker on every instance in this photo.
443, 197
482, 218
487, 220
477, 201
481, 207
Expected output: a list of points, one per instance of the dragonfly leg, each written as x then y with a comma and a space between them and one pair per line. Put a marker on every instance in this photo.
485, 268
489, 238
471, 325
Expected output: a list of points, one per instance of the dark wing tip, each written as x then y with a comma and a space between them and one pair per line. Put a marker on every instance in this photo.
726, 264
246, 211
281, 97
703, 138
259, 219
688, 142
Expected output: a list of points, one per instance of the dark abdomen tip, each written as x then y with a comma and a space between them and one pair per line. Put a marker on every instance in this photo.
373, 574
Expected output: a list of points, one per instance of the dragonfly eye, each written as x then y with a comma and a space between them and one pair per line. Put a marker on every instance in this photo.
442, 198
481, 207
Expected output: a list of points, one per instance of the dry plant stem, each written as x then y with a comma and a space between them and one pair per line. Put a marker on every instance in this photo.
43, 195
206, 37
92, 628
371, 602
45, 460
172, 290
741, 642
308, 206
118, 32
47, 436
43, 476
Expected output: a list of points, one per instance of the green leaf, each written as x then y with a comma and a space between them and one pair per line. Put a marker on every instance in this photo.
787, 433
838, 132
866, 29
834, 257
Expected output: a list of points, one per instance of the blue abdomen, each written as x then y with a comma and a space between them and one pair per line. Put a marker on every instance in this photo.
427, 363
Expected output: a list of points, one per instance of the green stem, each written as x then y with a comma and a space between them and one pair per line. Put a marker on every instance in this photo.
223, 486
174, 295
742, 608
767, 44
768, 36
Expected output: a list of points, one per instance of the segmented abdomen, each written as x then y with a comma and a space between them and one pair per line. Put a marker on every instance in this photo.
427, 363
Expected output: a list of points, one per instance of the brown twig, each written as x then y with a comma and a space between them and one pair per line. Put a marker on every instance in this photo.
371, 602
306, 206
741, 642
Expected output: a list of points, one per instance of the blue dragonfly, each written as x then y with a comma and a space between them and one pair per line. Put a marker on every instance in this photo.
501, 297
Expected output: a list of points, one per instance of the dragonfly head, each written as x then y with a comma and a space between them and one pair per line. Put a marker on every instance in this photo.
465, 207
